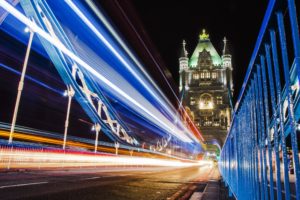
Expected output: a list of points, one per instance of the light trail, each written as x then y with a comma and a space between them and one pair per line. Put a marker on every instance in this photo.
93, 60
113, 32
73, 144
54, 41
169, 109
59, 142
32, 79
35, 136
21, 185
92, 27
34, 158
124, 62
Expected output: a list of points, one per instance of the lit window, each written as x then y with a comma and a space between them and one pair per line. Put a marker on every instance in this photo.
196, 76
216, 122
192, 101
202, 75
207, 75
207, 123
214, 75
219, 100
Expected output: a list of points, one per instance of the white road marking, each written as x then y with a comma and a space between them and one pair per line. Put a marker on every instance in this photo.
20, 185
90, 178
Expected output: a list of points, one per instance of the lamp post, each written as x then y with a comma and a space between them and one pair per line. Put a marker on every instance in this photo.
70, 93
97, 128
20, 86
117, 145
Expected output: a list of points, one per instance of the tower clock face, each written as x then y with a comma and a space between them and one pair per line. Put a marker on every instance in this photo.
206, 102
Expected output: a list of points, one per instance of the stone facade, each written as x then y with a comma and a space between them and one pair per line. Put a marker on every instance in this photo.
206, 86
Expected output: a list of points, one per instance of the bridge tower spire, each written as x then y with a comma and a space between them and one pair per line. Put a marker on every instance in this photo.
183, 67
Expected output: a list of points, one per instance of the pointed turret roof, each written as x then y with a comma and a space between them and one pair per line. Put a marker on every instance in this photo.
184, 52
204, 43
225, 49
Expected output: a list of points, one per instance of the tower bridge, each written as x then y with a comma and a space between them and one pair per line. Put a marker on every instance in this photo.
84, 104
205, 80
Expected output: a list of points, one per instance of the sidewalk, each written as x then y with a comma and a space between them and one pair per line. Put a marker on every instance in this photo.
212, 190
211, 187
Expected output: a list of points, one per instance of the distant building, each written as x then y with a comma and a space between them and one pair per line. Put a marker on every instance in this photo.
206, 87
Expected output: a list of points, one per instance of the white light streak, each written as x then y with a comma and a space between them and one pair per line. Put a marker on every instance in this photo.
127, 65
54, 41
120, 41
24, 184
20, 158
26, 29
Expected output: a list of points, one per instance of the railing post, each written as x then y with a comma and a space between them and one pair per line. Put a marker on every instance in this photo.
239, 159
258, 126
290, 102
262, 135
236, 156
295, 30
250, 143
254, 138
281, 119
274, 112
267, 117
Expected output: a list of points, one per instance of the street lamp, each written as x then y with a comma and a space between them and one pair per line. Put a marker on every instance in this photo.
117, 145
97, 128
70, 93
21, 85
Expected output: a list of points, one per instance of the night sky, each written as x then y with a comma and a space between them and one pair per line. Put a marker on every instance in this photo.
164, 24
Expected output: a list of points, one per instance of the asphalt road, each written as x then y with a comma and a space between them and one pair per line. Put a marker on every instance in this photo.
89, 183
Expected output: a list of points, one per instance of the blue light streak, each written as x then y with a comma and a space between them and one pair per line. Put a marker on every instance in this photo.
113, 72
60, 92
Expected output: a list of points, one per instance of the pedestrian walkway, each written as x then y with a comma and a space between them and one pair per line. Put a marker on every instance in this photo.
211, 189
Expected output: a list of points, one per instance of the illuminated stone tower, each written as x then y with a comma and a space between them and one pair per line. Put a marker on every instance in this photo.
206, 86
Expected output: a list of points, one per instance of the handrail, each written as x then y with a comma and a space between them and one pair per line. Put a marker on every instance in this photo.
266, 113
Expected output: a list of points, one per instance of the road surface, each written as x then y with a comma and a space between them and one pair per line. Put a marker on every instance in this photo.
91, 183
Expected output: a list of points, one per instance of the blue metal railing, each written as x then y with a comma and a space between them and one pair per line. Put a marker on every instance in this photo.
267, 113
